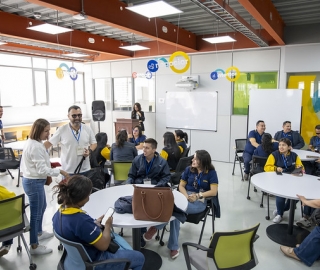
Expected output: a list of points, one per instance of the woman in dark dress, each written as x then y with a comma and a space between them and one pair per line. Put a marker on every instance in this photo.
138, 114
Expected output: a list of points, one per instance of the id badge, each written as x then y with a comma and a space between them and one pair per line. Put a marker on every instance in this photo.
146, 179
80, 150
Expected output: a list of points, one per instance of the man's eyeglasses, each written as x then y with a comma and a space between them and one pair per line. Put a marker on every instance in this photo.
76, 115
318, 133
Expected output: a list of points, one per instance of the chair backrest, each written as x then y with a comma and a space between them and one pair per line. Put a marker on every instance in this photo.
120, 169
186, 151
6, 154
181, 166
240, 145
10, 136
258, 164
12, 215
234, 249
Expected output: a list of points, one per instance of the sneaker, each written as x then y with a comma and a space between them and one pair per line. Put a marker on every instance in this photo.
45, 235
304, 223
288, 251
40, 250
174, 253
277, 219
150, 233
4, 250
246, 176
275, 212
142, 243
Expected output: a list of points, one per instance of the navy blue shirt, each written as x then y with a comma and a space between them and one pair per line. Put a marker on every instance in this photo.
249, 148
315, 142
204, 180
139, 140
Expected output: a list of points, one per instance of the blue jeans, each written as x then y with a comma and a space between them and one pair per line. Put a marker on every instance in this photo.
34, 188
307, 211
309, 250
136, 258
193, 208
282, 204
246, 159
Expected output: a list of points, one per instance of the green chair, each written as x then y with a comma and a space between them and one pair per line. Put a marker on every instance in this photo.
229, 250
13, 223
120, 170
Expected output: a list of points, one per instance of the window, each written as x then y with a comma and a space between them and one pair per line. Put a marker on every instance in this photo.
144, 90
248, 81
16, 87
39, 62
61, 91
79, 89
40, 85
122, 93
102, 91
15, 60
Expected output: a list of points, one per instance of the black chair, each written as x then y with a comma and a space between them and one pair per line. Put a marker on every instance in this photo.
13, 223
186, 151
239, 149
257, 166
8, 161
76, 257
182, 165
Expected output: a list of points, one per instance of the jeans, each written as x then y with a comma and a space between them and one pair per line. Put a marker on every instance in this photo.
307, 211
246, 159
193, 208
136, 258
309, 250
34, 188
282, 204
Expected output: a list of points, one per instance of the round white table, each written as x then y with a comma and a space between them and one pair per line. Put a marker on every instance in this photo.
305, 155
18, 145
287, 186
101, 200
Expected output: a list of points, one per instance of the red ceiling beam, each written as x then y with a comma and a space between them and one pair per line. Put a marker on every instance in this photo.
267, 15
113, 13
15, 26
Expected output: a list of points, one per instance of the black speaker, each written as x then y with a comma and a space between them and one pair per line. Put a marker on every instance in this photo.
98, 110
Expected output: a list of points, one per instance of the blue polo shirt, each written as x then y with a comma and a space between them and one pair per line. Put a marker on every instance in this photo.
249, 148
315, 142
204, 180
77, 226
139, 140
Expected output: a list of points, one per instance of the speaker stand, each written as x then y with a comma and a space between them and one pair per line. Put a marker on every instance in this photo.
99, 126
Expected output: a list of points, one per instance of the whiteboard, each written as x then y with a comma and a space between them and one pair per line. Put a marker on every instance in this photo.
192, 110
274, 106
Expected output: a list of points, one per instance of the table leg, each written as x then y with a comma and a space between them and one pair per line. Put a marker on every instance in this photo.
152, 259
291, 216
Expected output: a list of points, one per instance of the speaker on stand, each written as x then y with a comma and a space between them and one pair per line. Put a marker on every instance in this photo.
98, 111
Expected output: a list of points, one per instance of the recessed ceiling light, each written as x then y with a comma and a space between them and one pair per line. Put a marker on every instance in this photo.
134, 48
221, 39
49, 29
3, 43
154, 9
76, 54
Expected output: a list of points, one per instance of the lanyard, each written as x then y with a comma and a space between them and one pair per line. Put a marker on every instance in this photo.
285, 135
76, 134
284, 161
148, 165
199, 179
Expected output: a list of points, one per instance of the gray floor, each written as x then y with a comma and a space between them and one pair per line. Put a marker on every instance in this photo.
237, 213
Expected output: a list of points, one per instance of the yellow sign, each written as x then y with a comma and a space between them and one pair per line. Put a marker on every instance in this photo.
185, 62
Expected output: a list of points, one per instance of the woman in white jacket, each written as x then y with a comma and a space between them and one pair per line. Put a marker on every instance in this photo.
35, 165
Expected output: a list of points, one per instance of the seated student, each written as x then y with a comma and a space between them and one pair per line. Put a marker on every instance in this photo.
309, 250
101, 154
171, 151
197, 182
181, 138
73, 224
253, 141
122, 150
284, 161
296, 139
137, 138
314, 146
6, 245
266, 147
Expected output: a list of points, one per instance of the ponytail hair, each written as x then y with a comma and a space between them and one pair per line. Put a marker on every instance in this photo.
182, 135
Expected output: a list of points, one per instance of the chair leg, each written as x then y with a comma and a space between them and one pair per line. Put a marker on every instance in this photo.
261, 204
241, 171
268, 215
203, 225
121, 232
27, 250
10, 174
161, 243
234, 164
18, 184
248, 197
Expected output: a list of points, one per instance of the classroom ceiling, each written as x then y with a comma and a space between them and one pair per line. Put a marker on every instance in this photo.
108, 25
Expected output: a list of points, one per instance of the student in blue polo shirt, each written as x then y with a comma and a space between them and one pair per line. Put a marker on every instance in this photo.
137, 137
73, 224
296, 139
253, 141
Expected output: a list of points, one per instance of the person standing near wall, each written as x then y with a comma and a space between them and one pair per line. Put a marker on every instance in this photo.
74, 138
138, 114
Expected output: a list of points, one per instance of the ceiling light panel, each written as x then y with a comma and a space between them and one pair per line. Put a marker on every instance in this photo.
49, 29
154, 9
221, 39
134, 48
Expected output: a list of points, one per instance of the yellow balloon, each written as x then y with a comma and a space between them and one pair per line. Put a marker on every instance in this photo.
59, 73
